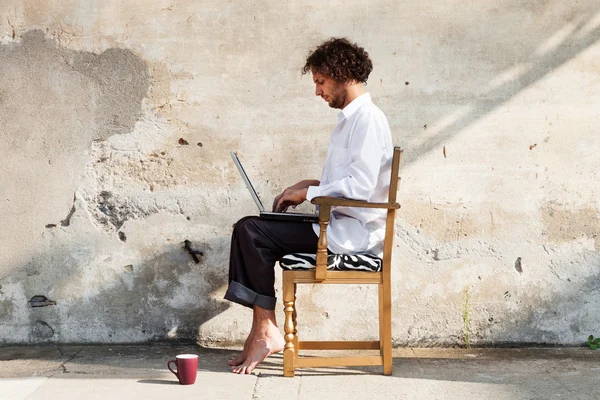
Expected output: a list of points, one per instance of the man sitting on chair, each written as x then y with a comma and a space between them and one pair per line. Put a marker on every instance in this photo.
358, 166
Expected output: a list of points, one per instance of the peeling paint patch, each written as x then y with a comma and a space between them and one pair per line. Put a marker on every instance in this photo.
113, 211
518, 265
41, 301
121, 77
113, 214
124, 81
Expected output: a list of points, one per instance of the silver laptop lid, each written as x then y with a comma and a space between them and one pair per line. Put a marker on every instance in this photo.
238, 164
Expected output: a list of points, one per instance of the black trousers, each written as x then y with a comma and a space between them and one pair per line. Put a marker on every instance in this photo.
256, 244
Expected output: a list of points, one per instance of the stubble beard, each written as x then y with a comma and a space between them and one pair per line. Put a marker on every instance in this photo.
338, 98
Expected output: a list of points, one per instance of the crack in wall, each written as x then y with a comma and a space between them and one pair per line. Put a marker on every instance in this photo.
63, 365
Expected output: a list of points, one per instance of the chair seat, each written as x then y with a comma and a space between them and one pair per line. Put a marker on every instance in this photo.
339, 262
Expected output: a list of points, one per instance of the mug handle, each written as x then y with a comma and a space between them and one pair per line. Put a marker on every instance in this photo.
169, 366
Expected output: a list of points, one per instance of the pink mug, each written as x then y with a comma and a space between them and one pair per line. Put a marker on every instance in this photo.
187, 368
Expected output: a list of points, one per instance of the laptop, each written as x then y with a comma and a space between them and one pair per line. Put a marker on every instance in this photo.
282, 216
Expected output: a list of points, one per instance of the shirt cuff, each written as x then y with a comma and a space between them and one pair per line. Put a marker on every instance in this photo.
312, 192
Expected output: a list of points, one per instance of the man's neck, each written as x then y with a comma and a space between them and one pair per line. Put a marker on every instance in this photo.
352, 92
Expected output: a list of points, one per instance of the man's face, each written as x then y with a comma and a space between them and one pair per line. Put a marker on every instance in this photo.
334, 93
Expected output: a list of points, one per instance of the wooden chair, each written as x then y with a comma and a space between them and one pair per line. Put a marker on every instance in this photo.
322, 275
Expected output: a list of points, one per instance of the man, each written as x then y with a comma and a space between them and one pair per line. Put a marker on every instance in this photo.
358, 166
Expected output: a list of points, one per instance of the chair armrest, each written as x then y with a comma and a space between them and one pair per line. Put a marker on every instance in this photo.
321, 261
340, 201
325, 203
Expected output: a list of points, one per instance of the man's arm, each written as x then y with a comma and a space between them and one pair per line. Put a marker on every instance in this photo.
295, 194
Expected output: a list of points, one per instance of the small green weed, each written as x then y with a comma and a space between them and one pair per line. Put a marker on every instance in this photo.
593, 343
466, 311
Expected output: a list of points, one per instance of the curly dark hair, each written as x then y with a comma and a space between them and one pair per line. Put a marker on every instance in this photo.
340, 60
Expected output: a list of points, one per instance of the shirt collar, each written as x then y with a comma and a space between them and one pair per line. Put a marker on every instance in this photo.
354, 106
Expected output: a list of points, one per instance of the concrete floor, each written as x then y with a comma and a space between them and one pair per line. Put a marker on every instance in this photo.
139, 372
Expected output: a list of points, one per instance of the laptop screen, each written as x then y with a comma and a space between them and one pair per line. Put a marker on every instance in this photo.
238, 164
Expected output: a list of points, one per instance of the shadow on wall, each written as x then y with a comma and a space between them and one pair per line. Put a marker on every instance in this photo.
553, 305
572, 34
165, 296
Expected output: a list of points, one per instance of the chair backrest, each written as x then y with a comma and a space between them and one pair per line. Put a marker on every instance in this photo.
394, 178
391, 214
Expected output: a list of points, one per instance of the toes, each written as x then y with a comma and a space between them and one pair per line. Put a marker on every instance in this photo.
240, 369
251, 367
235, 362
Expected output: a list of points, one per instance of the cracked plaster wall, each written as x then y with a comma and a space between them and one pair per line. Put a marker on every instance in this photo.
116, 120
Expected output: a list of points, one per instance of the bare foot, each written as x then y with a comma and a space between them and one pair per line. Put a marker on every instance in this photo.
242, 356
262, 345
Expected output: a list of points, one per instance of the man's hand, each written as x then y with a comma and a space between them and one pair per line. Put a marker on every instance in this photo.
289, 197
293, 195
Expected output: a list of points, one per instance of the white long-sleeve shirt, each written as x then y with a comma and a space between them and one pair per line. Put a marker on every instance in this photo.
358, 166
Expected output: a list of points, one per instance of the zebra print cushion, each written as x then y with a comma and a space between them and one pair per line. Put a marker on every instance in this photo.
340, 262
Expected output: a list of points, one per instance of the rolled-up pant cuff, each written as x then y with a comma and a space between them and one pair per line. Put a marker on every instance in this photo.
240, 294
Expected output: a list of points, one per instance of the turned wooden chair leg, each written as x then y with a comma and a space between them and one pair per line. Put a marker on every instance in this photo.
294, 318
381, 317
289, 349
387, 329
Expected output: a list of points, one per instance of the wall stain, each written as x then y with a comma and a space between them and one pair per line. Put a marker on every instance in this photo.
124, 80
55, 103
563, 225
121, 77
